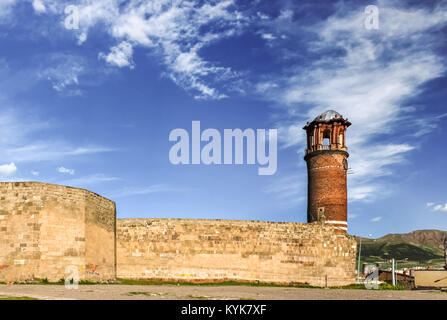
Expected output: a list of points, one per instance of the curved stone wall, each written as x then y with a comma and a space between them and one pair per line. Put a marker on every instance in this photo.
45, 228
222, 250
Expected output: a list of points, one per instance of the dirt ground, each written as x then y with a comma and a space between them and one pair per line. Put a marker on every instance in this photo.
172, 292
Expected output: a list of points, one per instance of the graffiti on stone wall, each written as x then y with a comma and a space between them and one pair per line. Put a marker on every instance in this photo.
92, 269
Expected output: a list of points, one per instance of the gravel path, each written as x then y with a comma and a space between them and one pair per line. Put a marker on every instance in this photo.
171, 292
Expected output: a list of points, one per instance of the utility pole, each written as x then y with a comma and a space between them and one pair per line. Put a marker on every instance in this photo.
358, 264
393, 270
445, 252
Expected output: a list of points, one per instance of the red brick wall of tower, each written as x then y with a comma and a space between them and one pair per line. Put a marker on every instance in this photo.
327, 188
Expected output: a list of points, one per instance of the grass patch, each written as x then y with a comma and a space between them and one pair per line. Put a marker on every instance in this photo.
382, 286
211, 284
144, 293
198, 297
407, 255
387, 286
138, 293
88, 282
60, 282
354, 286
143, 282
17, 298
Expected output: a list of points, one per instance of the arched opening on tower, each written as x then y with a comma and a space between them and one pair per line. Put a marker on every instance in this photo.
326, 138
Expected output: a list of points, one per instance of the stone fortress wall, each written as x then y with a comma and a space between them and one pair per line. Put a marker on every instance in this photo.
46, 228
223, 250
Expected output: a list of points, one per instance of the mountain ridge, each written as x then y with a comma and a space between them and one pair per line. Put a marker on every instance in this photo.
415, 248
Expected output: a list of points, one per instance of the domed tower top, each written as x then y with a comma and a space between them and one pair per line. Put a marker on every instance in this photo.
328, 116
326, 132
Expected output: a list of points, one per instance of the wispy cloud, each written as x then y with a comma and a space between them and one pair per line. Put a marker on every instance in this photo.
49, 151
376, 219
173, 31
288, 190
126, 192
18, 142
352, 215
6, 8
63, 71
88, 180
65, 170
366, 75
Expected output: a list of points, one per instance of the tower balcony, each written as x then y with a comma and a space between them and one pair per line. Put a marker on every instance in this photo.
323, 147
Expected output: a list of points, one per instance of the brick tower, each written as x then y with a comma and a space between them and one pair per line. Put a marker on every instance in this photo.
327, 164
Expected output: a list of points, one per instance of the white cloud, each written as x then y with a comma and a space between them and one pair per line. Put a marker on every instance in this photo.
440, 207
8, 169
288, 190
82, 38
262, 16
65, 170
376, 219
63, 71
268, 36
14, 128
430, 204
369, 164
5, 7
126, 192
35, 173
88, 180
39, 7
49, 150
18, 142
362, 192
174, 31
120, 55
368, 82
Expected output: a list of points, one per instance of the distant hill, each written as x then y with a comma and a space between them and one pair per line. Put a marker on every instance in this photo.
417, 248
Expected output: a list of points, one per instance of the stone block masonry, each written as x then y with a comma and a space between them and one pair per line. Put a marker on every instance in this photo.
45, 228
223, 250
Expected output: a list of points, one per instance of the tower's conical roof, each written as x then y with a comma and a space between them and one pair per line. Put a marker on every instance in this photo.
328, 115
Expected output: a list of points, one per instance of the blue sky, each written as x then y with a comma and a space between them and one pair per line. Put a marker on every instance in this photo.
93, 107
